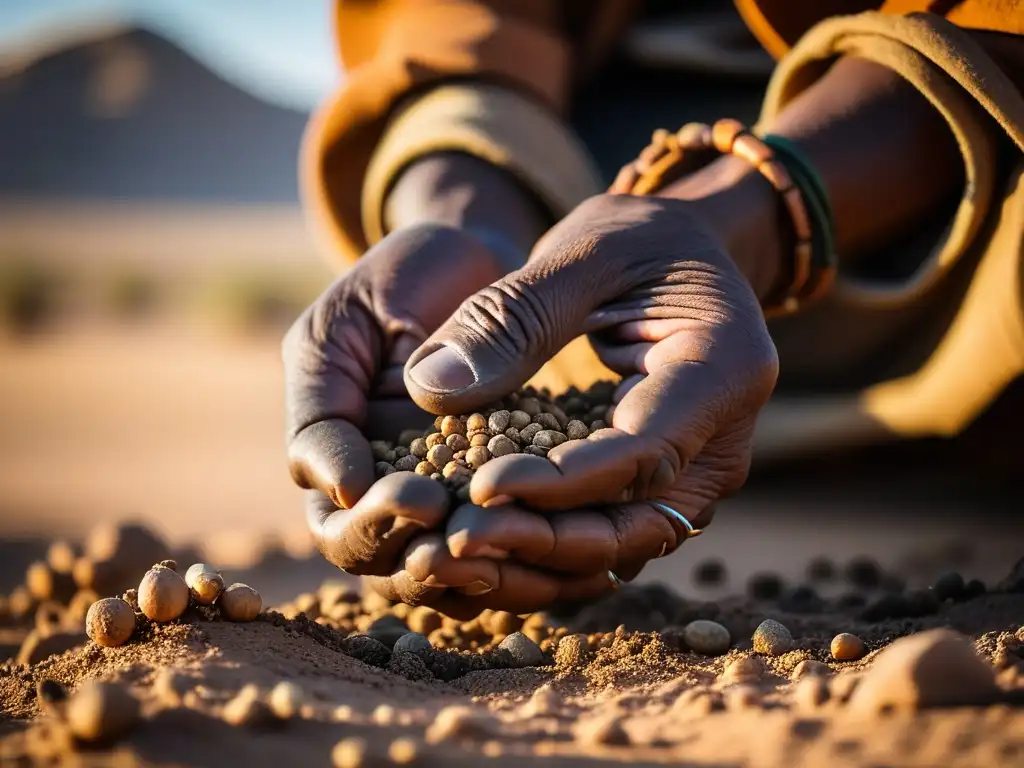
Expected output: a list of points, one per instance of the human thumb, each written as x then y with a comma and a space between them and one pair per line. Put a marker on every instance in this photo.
500, 336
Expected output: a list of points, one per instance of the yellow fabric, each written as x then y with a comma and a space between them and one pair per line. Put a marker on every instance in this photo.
982, 349
493, 123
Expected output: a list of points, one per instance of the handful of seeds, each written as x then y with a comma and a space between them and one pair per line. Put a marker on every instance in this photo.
529, 421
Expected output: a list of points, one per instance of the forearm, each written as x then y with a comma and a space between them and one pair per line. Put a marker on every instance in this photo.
885, 154
466, 192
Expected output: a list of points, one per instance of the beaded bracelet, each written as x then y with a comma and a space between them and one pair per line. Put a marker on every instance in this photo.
670, 156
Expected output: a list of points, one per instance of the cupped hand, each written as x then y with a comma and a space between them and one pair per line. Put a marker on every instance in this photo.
665, 306
343, 363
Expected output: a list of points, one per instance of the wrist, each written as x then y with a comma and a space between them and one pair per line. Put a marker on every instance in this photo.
743, 210
463, 191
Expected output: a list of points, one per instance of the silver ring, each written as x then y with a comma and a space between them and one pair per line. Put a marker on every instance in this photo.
615, 580
671, 514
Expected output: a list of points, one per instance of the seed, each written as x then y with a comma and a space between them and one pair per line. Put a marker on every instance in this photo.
536, 450
519, 419
529, 405
452, 425
425, 468
419, 448
498, 421
349, 753
439, 455
477, 457
457, 443
382, 469
527, 433
240, 602
205, 582
163, 594
847, 647
100, 712
548, 438
407, 463
435, 439
110, 622
547, 421
476, 421
479, 439
772, 638
576, 430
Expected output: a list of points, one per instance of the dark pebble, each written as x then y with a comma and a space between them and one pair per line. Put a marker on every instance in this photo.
802, 599
709, 573
863, 572
850, 600
886, 607
922, 602
367, 650
821, 570
973, 588
949, 586
765, 586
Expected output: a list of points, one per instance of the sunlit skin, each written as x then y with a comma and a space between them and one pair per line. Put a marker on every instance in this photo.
668, 289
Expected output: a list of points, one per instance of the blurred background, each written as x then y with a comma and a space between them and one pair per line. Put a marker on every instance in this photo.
152, 252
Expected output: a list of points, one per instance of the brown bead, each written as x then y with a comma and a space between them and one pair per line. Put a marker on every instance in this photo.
406, 463
476, 421
419, 448
478, 456
452, 425
480, 438
440, 455
435, 438
519, 419
425, 468
457, 443
576, 430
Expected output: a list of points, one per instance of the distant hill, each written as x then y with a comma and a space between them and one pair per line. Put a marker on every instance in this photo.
132, 117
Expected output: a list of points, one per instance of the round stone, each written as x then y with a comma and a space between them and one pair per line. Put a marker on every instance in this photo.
500, 445
847, 647
523, 650
949, 586
412, 642
477, 457
707, 637
772, 638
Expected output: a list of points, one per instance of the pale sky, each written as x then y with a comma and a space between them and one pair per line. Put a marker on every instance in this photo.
279, 50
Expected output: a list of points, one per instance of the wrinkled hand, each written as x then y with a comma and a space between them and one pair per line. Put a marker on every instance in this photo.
665, 306
343, 364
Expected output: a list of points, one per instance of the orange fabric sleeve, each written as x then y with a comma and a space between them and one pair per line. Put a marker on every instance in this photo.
778, 24
391, 48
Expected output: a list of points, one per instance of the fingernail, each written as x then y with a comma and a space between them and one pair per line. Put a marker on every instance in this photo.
476, 588
442, 371
498, 501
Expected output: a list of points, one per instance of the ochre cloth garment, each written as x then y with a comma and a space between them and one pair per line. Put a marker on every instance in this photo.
392, 49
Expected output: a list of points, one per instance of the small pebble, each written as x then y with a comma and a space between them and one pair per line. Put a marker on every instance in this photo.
572, 651
707, 637
548, 438
500, 445
412, 642
527, 433
949, 586
457, 443
809, 667
204, 582
523, 650
973, 588
367, 649
407, 463
383, 469
481, 439
530, 406
418, 448
536, 450
847, 647
110, 622
350, 753
864, 573
381, 450
99, 712
499, 421
476, 422
743, 668
576, 430
438, 456
425, 468
772, 638
519, 419
435, 439
548, 422
247, 708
